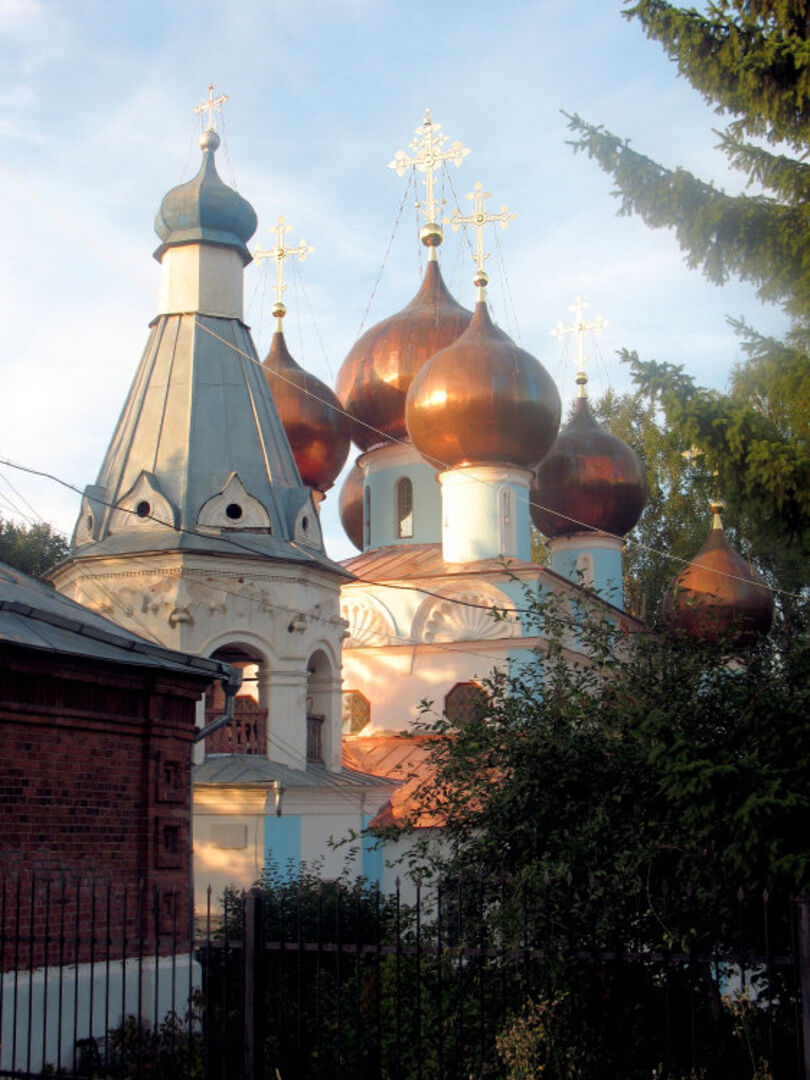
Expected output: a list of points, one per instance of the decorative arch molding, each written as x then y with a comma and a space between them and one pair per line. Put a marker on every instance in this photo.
143, 507
465, 614
328, 649
240, 639
370, 623
234, 508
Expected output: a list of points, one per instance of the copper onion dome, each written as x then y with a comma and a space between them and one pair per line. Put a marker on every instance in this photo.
483, 400
374, 378
313, 418
350, 506
719, 594
588, 480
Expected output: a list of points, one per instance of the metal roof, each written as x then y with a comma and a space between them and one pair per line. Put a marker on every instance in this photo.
199, 411
34, 616
256, 769
412, 563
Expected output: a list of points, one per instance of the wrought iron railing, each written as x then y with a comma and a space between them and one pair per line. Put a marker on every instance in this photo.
245, 734
308, 978
314, 739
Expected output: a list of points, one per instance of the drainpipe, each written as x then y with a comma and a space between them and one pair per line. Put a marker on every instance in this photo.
230, 686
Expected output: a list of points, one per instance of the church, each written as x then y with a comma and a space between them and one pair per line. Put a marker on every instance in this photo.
202, 531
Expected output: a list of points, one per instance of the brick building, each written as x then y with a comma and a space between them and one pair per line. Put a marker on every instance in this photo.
96, 732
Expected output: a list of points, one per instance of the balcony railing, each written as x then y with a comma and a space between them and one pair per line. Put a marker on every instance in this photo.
246, 733
314, 741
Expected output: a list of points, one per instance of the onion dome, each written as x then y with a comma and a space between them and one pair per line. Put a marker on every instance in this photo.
350, 506
205, 210
374, 378
483, 400
312, 416
588, 480
719, 593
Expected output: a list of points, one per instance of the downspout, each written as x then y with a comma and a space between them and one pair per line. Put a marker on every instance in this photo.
230, 685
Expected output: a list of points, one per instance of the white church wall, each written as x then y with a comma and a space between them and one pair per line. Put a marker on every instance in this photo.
228, 837
397, 679
43, 1008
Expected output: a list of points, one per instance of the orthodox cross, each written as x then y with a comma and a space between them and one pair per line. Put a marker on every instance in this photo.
580, 327
212, 105
429, 153
479, 219
279, 253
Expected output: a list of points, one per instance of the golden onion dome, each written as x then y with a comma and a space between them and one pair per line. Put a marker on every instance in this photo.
719, 594
374, 378
588, 480
483, 400
350, 506
313, 418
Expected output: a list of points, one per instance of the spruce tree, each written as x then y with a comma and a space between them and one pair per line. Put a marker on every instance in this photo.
751, 60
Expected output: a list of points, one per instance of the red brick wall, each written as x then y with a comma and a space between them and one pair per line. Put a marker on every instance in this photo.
94, 785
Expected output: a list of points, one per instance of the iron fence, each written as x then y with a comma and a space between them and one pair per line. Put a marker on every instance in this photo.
444, 980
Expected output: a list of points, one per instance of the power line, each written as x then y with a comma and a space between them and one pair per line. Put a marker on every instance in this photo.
384, 437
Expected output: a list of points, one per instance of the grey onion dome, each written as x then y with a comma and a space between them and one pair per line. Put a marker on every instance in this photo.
205, 209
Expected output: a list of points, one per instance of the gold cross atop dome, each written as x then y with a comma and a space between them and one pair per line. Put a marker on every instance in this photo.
479, 219
580, 327
212, 105
279, 253
429, 153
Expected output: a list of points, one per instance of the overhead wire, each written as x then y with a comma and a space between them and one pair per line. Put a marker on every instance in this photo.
383, 435
384, 261
242, 546
584, 526
20, 495
6, 503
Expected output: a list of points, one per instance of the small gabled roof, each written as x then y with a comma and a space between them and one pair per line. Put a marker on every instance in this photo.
34, 616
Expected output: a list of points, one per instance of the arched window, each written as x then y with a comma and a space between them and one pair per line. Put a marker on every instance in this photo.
356, 712
506, 521
466, 703
367, 516
404, 508
318, 704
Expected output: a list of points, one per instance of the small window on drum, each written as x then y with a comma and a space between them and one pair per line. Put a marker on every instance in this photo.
466, 703
404, 508
585, 570
367, 516
506, 522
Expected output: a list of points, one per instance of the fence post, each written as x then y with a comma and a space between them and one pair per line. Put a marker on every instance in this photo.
253, 960
803, 948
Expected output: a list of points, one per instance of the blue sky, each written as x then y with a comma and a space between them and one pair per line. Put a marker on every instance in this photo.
97, 124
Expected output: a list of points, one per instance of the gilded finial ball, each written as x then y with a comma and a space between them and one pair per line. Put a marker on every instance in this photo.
279, 311
480, 280
431, 235
209, 140
717, 506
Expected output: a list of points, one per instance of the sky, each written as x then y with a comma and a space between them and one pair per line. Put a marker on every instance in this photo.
97, 123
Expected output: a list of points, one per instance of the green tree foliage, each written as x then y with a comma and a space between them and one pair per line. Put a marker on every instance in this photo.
756, 438
625, 797
34, 549
655, 758
675, 519
752, 61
